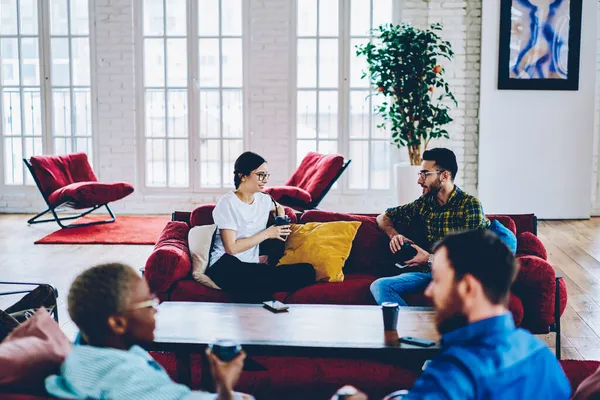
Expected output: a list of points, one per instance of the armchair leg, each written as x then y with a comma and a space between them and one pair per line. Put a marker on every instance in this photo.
59, 220
557, 317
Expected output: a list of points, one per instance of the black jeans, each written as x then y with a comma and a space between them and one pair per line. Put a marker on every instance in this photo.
254, 283
22, 310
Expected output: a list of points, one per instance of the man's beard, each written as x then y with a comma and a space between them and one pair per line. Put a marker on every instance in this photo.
434, 189
451, 317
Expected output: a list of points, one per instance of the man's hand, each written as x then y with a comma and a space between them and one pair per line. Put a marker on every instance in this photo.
397, 241
421, 258
225, 374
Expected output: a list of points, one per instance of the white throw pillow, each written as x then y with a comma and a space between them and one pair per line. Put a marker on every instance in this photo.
200, 240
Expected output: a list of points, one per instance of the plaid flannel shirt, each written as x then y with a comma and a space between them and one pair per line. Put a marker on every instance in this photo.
461, 212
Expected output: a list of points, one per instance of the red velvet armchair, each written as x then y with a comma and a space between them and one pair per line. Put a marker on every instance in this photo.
311, 181
69, 181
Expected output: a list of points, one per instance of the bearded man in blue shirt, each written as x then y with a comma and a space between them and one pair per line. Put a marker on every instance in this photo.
484, 356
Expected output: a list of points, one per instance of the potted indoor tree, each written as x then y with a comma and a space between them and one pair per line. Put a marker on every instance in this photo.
403, 65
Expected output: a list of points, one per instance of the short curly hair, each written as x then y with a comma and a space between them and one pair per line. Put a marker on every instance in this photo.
97, 293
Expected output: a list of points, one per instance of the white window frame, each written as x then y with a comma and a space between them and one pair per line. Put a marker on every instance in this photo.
344, 53
46, 102
193, 91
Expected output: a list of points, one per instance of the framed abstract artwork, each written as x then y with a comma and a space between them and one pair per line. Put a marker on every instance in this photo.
539, 44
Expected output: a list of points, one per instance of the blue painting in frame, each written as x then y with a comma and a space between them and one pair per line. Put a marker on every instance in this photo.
539, 44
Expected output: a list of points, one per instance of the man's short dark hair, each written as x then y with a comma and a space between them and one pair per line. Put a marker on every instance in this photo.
483, 255
444, 158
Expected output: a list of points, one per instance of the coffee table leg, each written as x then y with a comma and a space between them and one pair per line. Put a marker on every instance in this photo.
184, 373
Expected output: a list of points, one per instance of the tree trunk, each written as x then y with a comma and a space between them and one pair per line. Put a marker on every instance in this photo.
414, 154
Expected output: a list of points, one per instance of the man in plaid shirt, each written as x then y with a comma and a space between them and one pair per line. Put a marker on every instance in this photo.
443, 208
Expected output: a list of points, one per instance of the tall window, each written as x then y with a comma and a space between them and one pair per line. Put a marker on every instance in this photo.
334, 106
197, 67
45, 105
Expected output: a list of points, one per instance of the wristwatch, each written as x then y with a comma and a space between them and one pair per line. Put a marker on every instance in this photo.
430, 261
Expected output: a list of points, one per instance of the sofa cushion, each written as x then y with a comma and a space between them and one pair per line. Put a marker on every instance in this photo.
202, 215
54, 172
529, 244
200, 239
316, 172
90, 194
34, 350
278, 192
371, 254
582, 375
325, 246
170, 261
353, 291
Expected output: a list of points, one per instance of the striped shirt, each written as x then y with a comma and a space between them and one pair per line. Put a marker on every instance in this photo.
91, 372
461, 212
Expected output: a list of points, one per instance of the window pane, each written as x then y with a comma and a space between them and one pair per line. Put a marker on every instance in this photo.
13, 152
359, 168
327, 147
29, 17
62, 145
328, 63
178, 163
81, 61
31, 61
9, 53
307, 17
210, 163
379, 133
32, 112
33, 147
328, 18
155, 113
307, 63
208, 17
328, 114
233, 115
359, 114
360, 17
232, 62
59, 17
380, 164
62, 112
177, 113
303, 147
60, 62
358, 65
232, 18
82, 112
231, 151
154, 62
210, 113
382, 12
153, 18
176, 62
307, 114
156, 162
8, 17
80, 24
176, 17
11, 101
208, 55
83, 145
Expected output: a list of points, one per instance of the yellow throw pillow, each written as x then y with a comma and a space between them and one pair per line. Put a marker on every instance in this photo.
325, 245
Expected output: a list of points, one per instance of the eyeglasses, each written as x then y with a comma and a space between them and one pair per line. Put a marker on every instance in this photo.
154, 302
262, 176
423, 174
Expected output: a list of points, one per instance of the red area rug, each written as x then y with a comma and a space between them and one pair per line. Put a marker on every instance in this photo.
125, 230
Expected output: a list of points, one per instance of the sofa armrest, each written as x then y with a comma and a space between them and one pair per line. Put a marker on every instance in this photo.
529, 244
278, 192
536, 287
170, 260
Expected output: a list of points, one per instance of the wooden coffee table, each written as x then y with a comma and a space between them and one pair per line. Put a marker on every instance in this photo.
304, 330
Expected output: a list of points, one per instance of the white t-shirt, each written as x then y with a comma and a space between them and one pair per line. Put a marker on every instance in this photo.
246, 219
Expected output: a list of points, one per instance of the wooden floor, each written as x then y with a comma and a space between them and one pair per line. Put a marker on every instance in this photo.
573, 249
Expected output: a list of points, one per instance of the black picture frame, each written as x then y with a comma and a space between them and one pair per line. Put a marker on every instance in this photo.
505, 82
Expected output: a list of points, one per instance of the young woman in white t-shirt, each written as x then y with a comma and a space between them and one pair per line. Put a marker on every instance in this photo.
241, 217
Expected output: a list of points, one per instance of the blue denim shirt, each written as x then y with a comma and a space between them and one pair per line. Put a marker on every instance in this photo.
491, 359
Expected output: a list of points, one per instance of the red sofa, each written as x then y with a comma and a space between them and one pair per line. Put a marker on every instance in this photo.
532, 301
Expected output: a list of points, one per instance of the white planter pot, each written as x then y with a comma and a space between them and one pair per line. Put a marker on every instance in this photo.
407, 188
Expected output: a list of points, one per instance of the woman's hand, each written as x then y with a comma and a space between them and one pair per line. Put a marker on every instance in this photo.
276, 232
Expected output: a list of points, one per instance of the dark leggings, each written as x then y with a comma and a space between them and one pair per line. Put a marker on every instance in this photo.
253, 282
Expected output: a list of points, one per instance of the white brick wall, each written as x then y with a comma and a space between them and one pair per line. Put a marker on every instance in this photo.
269, 94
